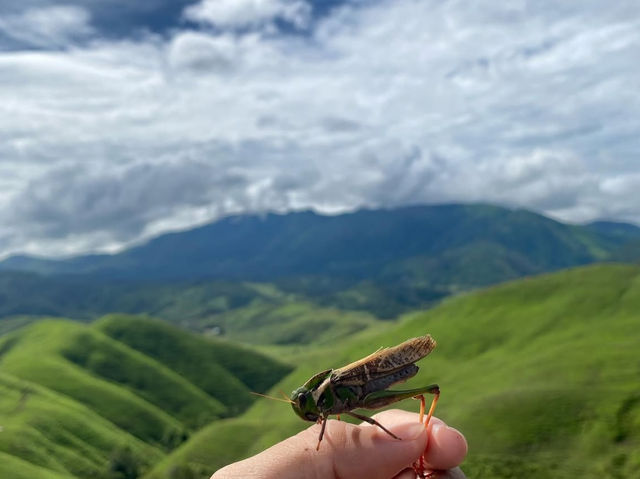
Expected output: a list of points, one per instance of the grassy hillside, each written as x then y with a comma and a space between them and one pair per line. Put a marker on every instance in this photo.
248, 312
540, 374
296, 322
46, 433
87, 298
225, 371
77, 402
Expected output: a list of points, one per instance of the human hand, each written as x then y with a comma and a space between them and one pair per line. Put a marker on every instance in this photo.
353, 452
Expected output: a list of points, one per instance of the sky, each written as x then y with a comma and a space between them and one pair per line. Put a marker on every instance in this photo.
121, 120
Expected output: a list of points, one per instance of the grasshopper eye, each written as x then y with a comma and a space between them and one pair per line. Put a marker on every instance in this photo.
302, 399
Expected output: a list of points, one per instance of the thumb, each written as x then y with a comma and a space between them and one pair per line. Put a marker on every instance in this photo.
347, 451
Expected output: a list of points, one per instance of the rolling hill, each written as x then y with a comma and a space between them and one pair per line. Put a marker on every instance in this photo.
540, 374
79, 401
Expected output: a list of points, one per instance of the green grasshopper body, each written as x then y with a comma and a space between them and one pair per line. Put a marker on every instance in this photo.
363, 384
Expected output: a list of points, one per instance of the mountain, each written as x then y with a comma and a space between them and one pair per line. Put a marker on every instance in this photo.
382, 262
628, 235
444, 246
79, 401
623, 231
541, 375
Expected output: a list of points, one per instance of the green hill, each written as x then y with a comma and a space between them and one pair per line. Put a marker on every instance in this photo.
294, 322
248, 312
87, 298
227, 371
46, 430
541, 374
75, 401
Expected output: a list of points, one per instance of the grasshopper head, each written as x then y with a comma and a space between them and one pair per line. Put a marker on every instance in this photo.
302, 399
304, 405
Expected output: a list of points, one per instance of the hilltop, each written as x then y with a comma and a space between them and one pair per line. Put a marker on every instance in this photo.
124, 389
541, 375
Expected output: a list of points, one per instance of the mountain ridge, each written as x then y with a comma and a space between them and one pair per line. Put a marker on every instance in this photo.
380, 262
352, 245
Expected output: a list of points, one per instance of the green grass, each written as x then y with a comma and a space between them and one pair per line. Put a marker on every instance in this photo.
540, 374
15, 468
224, 370
16, 322
40, 356
43, 429
72, 397
294, 322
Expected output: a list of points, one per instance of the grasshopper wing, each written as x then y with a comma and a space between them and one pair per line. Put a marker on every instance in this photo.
385, 362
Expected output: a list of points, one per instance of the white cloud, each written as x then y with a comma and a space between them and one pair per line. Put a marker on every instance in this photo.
48, 27
390, 103
553, 180
249, 13
198, 51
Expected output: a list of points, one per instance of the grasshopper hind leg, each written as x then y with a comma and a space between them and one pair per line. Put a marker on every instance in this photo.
432, 408
419, 466
370, 420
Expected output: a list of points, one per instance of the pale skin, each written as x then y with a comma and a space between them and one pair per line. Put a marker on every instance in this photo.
351, 452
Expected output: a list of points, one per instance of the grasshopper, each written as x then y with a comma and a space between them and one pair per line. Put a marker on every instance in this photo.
363, 384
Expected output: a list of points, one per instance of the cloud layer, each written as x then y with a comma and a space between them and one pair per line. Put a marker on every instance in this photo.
104, 142
47, 27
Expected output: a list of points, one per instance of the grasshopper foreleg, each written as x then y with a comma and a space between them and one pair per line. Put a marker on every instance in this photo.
370, 420
324, 425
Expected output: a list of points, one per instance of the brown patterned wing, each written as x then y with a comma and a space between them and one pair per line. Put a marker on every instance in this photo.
384, 361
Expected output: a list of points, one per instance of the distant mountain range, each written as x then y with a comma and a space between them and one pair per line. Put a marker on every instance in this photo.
445, 244
380, 261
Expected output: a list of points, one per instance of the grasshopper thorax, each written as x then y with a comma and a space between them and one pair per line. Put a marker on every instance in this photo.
304, 405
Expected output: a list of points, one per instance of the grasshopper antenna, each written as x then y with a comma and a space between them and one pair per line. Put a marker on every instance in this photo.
284, 395
287, 400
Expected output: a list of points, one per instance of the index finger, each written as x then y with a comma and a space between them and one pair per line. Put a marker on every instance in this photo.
446, 446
